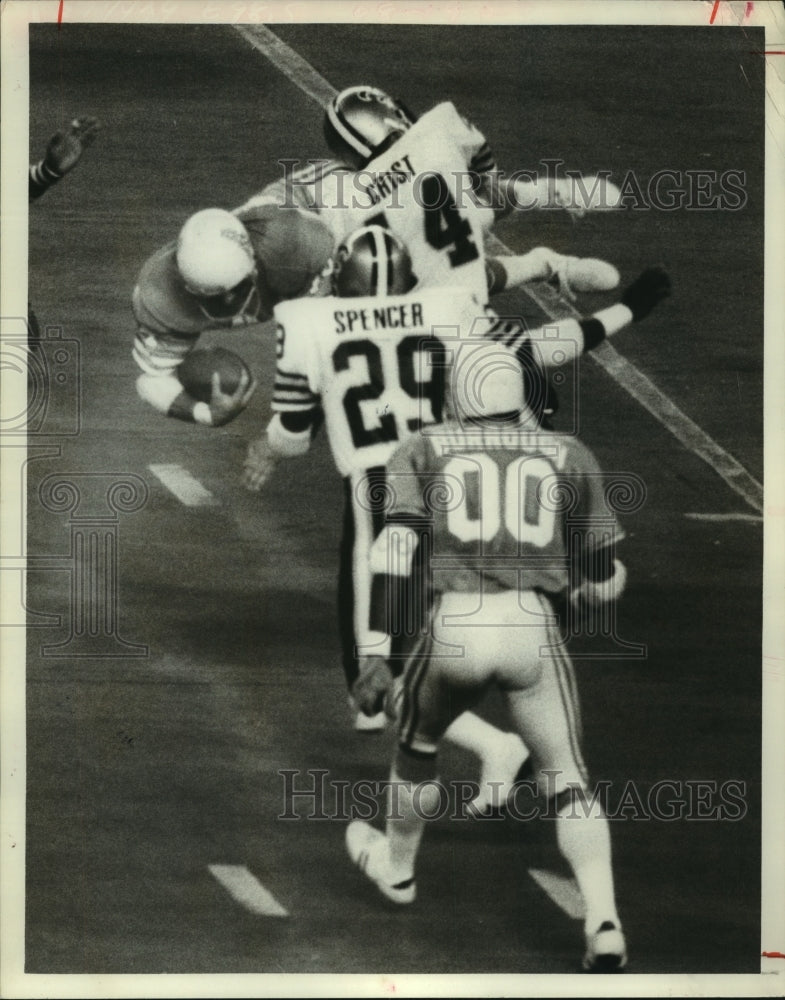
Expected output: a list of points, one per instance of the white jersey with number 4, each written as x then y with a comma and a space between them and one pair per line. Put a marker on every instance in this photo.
376, 366
421, 189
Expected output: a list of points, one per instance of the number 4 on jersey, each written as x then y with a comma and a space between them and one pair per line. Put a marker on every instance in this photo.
444, 225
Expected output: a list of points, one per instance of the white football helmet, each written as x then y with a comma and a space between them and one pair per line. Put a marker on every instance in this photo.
486, 380
214, 253
362, 121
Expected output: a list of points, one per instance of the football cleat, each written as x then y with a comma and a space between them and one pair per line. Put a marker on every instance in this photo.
360, 122
606, 949
367, 723
372, 261
367, 848
370, 723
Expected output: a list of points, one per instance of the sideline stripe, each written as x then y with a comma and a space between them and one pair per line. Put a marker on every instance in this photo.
563, 891
247, 890
750, 518
645, 392
179, 481
622, 371
289, 62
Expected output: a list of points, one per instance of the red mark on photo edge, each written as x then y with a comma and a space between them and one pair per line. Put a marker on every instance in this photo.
60, 13
747, 10
772, 954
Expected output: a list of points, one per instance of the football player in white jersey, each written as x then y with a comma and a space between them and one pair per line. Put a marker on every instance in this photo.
372, 359
363, 122
433, 181
514, 516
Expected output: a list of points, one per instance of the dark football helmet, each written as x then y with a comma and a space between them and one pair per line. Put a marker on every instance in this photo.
372, 261
361, 122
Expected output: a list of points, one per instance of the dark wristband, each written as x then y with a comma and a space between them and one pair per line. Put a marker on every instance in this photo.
593, 333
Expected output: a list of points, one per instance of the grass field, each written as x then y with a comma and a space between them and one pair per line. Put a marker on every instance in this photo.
145, 770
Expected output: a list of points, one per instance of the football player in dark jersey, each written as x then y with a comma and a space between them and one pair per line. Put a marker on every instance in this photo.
515, 516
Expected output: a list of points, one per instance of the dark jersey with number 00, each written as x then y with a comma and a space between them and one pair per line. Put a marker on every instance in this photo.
507, 509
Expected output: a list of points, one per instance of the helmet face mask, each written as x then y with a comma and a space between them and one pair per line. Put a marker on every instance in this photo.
372, 261
361, 121
230, 303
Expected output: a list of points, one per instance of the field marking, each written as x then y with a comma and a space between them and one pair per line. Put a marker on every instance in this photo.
652, 399
247, 890
563, 891
185, 487
623, 372
751, 518
290, 63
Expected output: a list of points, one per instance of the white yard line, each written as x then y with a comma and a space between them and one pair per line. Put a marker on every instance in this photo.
646, 393
289, 62
185, 487
563, 891
622, 371
247, 890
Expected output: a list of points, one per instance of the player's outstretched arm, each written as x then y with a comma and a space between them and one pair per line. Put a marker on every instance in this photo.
558, 344
62, 154
288, 435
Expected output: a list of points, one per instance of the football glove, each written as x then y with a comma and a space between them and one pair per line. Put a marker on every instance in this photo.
65, 148
372, 685
651, 287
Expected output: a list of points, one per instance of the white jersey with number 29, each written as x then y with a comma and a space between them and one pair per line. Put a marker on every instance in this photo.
420, 188
376, 366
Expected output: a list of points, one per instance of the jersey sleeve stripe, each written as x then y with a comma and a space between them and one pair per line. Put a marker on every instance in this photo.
302, 406
152, 363
483, 160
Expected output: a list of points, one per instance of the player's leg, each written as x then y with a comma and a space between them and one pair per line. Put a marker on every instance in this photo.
466, 622
362, 521
428, 705
547, 715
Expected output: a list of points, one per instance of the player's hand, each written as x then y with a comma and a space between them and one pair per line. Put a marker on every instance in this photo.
651, 287
225, 406
260, 460
65, 148
372, 685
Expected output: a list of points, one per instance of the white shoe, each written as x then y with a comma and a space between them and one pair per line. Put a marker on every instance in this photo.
498, 774
367, 848
367, 723
606, 949
370, 723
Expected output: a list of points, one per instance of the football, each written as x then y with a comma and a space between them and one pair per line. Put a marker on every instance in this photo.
196, 372
589, 274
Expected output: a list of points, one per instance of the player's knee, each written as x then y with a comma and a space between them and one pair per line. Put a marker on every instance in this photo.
575, 801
